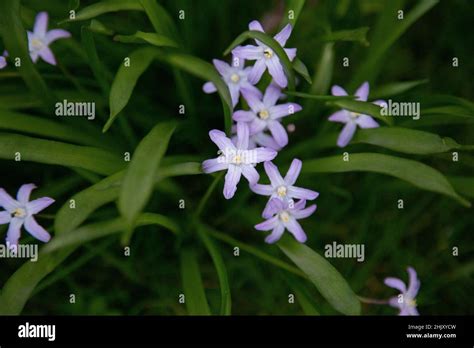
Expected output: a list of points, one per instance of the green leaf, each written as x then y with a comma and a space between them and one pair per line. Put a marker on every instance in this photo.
15, 39
274, 46
296, 6
54, 152
361, 107
196, 301
160, 19
416, 173
324, 276
226, 302
395, 88
318, 97
304, 299
106, 6
301, 69
358, 35
151, 38
323, 72
463, 184
99, 28
138, 181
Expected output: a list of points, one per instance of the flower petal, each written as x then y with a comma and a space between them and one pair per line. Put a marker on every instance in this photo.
295, 229
234, 91
346, 134
214, 165
266, 140
243, 116
221, 66
395, 283
294, 171
232, 178
267, 225
364, 121
413, 283
264, 154
278, 133
257, 126
209, 87
47, 55
338, 91
275, 235
250, 173
5, 217
291, 53
249, 52
273, 206
253, 99
264, 190
279, 111
276, 70
271, 96
220, 139
302, 193
242, 136
3, 62
341, 116
273, 174
304, 213
37, 205
41, 24
13, 233
7, 202
56, 34
393, 301
36, 230
257, 71
283, 35
380, 102
363, 92
255, 25
23, 195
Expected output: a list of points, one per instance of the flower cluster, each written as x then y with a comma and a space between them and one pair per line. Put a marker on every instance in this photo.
39, 40
20, 211
260, 135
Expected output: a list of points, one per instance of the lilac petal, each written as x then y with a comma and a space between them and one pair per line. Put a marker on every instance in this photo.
220, 139
304, 213
267, 225
232, 178
221, 66
283, 35
282, 110
393, 301
234, 90
47, 55
56, 34
249, 52
413, 283
257, 71
7, 202
364, 121
341, 116
5, 217
3, 62
266, 140
363, 92
295, 229
209, 87
13, 233
214, 165
264, 190
23, 195
41, 24
271, 96
299, 205
255, 25
257, 126
395, 283
404, 311
302, 193
34, 56
253, 99
412, 311
293, 172
273, 206
346, 134
243, 116
278, 133
37, 205
291, 53
338, 91
273, 174
250, 173
264, 154
380, 102
275, 235
36, 230
242, 136
276, 70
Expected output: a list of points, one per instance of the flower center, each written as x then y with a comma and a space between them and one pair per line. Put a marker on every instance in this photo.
263, 114
237, 159
411, 302
19, 213
281, 191
235, 78
268, 53
37, 44
354, 115
284, 216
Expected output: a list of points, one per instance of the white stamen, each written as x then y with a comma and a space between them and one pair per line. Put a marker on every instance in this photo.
235, 78
281, 191
284, 216
268, 53
263, 114
19, 212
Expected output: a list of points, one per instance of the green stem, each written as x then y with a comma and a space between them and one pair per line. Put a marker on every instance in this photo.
207, 195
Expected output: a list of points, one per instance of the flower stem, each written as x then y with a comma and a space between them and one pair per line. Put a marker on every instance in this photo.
372, 301
207, 195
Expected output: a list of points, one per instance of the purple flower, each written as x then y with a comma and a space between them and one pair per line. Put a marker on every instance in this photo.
352, 119
235, 76
282, 188
20, 212
406, 300
3, 59
236, 159
257, 140
40, 39
284, 215
264, 114
265, 57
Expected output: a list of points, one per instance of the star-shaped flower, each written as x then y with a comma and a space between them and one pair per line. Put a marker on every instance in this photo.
265, 57
284, 215
40, 39
237, 159
406, 300
21, 211
352, 119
